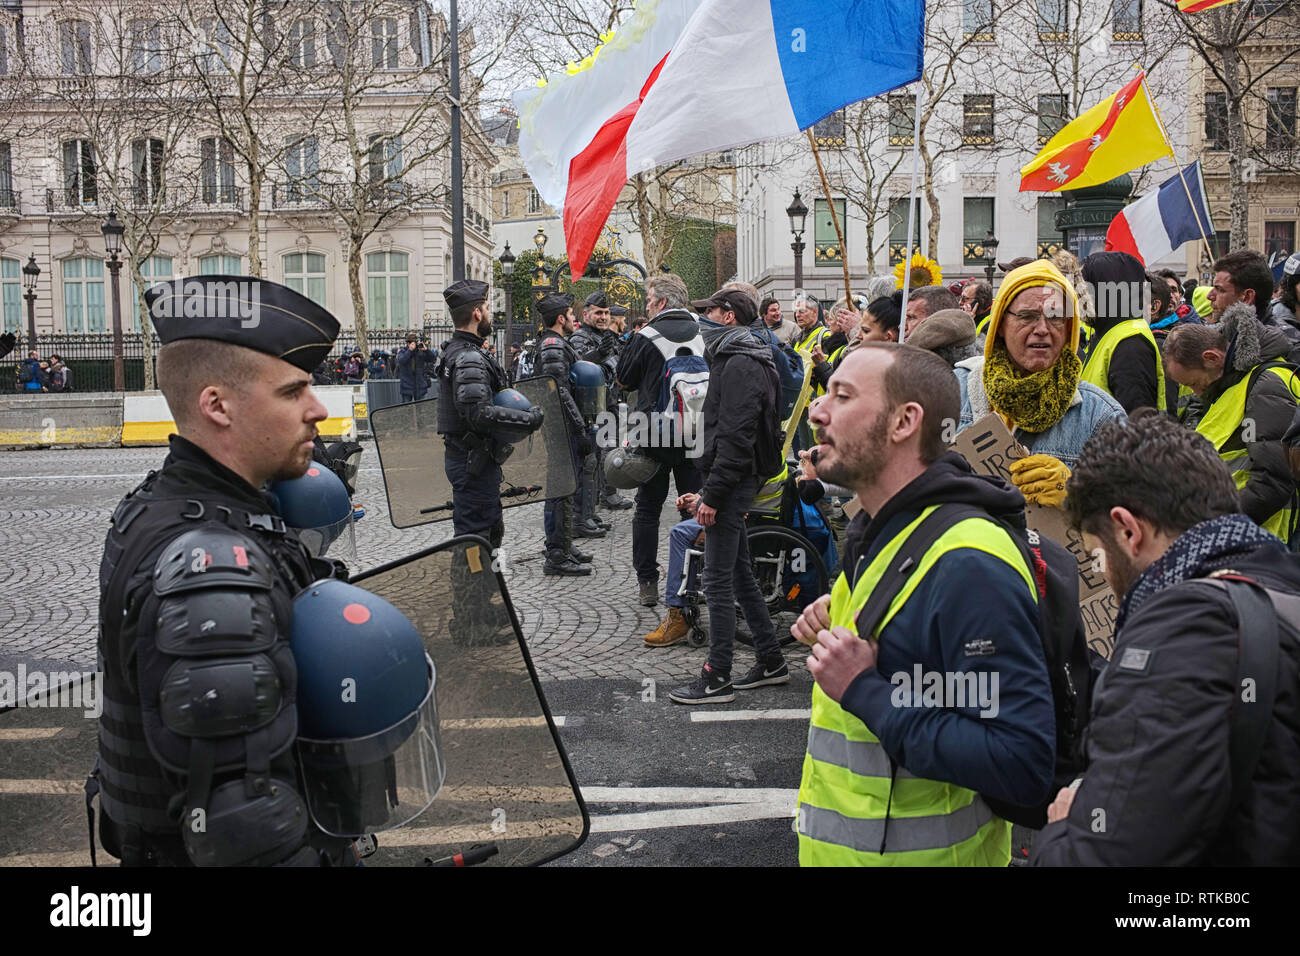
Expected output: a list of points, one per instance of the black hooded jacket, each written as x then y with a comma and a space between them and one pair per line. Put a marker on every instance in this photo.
1132, 376
741, 413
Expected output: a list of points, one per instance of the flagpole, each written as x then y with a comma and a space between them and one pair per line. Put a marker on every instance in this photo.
839, 233
1181, 177
911, 218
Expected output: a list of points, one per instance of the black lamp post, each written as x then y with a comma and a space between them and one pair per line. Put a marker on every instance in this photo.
990, 255
113, 231
798, 214
31, 272
507, 261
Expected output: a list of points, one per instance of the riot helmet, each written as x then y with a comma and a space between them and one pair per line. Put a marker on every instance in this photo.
627, 467
319, 508
511, 398
588, 381
368, 737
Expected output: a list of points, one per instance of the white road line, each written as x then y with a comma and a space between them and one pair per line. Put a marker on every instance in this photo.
29, 733
692, 817
689, 795
41, 786
139, 475
708, 716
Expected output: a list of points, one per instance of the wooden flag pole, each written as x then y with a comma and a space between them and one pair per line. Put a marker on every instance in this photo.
839, 233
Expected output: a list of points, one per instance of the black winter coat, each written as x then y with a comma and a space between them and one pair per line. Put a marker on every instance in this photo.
741, 413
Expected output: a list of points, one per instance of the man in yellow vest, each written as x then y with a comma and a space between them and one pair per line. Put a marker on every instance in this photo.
1246, 398
948, 699
1122, 356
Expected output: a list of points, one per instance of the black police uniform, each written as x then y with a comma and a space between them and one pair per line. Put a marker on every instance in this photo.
196, 760
601, 347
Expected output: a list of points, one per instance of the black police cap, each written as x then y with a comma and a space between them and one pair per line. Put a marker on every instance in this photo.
557, 303
243, 310
465, 292
598, 300
617, 310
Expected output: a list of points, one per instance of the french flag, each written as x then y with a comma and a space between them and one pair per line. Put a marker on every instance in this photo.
1161, 221
684, 77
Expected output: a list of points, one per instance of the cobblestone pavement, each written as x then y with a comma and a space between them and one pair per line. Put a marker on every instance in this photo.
55, 507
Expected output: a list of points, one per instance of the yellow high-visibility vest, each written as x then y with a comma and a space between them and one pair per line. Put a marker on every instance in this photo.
1097, 369
848, 805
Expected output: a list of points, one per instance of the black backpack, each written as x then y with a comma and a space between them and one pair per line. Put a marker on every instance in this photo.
1055, 572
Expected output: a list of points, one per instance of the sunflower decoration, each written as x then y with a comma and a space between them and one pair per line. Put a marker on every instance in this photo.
924, 272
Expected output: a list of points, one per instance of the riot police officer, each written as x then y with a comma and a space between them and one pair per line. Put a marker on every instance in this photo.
196, 760
556, 357
598, 342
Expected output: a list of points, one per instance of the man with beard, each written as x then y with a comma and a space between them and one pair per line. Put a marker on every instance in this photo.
966, 617
1191, 749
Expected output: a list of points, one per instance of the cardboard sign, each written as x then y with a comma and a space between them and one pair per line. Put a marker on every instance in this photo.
990, 449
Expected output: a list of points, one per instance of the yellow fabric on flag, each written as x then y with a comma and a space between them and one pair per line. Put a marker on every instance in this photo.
1196, 6
1089, 151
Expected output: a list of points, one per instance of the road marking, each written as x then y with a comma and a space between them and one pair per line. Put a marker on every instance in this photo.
707, 716
67, 858
29, 733
482, 833
692, 817
493, 723
688, 794
135, 474
41, 786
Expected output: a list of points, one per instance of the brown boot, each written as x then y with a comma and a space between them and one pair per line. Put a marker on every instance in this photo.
671, 629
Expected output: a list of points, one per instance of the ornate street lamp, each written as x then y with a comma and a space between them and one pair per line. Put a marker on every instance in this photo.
31, 272
990, 255
798, 214
541, 279
507, 261
113, 231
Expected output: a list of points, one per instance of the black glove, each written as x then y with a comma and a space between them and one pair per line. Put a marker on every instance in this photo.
584, 444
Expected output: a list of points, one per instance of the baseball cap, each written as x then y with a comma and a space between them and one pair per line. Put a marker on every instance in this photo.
734, 300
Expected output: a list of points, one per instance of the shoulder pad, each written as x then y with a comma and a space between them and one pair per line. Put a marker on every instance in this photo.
212, 556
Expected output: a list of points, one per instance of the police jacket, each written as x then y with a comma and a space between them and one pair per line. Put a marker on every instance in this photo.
196, 587
741, 413
468, 379
1157, 790
595, 345
555, 357
641, 365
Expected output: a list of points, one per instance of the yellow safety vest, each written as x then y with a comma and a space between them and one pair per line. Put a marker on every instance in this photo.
807, 344
1097, 369
1222, 426
847, 805
983, 326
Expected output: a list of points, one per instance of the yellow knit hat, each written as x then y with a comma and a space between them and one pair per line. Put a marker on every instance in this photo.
1037, 273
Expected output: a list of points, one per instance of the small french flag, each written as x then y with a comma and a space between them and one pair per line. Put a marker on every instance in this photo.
1161, 221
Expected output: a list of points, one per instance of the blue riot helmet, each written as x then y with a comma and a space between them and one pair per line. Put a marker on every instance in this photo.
511, 398
368, 735
588, 381
318, 507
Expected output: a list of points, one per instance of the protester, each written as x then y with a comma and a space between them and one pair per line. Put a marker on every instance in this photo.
1285, 309
377, 367
810, 317
354, 368
880, 321
1164, 316
1246, 400
926, 301
1201, 304
769, 310
887, 781
1122, 357
1169, 728
827, 353
1242, 276
977, 299
1170, 278
949, 334
29, 373
412, 361
60, 378
1030, 375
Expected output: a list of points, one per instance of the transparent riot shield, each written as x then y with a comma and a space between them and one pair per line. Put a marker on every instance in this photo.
413, 458
508, 786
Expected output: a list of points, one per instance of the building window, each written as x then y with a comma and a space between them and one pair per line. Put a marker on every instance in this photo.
505, 204
79, 180
1049, 237
830, 131
1052, 115
216, 45
83, 295
977, 20
302, 44
1216, 121
1279, 239
386, 162
302, 164
898, 229
1221, 241
901, 110
11, 275
8, 200
977, 119
154, 269
146, 170
1126, 21
217, 170
220, 266
383, 43
826, 244
977, 222
305, 272
1279, 128
4, 49
1053, 21
74, 47
534, 202
146, 46
387, 290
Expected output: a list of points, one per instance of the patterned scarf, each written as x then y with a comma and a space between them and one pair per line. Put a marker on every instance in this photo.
1033, 402
1208, 546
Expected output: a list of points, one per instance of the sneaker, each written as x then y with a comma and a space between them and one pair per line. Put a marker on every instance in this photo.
671, 629
559, 563
762, 674
649, 593
709, 688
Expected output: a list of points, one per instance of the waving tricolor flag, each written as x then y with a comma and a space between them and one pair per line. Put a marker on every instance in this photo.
1195, 6
1120, 133
1155, 225
683, 77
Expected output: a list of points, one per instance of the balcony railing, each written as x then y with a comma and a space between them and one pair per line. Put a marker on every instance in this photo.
8, 199
298, 196
222, 197
71, 200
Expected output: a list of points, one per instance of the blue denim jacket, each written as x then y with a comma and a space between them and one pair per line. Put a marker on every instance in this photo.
1090, 408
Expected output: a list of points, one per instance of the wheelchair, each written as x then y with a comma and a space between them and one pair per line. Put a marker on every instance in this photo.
788, 565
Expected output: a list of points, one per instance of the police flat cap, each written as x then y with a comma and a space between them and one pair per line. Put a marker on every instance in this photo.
617, 310
243, 310
465, 292
557, 303
598, 300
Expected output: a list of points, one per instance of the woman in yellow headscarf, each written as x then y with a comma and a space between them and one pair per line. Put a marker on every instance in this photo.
1030, 375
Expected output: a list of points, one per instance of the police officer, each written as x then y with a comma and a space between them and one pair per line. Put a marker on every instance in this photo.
196, 763
468, 379
598, 342
555, 357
